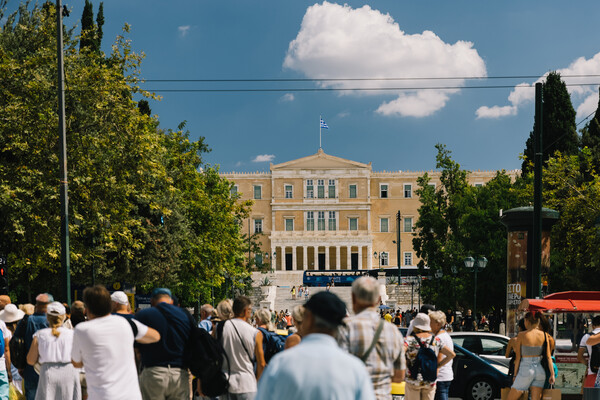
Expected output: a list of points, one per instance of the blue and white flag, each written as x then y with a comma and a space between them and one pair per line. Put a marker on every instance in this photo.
323, 124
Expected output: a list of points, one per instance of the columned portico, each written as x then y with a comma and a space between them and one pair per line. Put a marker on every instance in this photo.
338, 264
294, 258
305, 258
369, 257
360, 266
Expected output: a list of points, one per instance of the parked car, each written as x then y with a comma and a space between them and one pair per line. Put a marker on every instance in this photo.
476, 378
489, 346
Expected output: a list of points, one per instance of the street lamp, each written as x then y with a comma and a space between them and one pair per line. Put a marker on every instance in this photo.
274, 262
378, 258
475, 266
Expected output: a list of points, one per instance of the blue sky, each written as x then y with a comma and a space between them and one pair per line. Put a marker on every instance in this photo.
219, 39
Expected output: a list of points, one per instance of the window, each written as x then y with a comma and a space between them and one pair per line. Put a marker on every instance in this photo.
383, 191
408, 224
383, 225
352, 191
321, 220
234, 190
332, 221
289, 224
493, 347
289, 191
310, 220
432, 184
407, 259
321, 188
384, 259
258, 259
407, 190
479, 184
310, 191
353, 224
331, 189
257, 192
258, 226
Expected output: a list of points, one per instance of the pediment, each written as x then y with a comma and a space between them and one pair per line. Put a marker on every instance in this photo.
320, 160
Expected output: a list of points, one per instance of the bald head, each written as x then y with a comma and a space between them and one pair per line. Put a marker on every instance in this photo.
206, 311
41, 302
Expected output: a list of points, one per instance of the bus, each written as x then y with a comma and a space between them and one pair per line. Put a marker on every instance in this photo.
410, 275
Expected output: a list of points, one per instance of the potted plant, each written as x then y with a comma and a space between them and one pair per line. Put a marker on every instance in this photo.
265, 285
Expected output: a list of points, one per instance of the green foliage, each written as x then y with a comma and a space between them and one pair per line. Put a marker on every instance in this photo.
558, 122
143, 207
590, 138
457, 220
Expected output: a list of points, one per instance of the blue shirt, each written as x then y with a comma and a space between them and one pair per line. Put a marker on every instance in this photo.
174, 326
206, 324
316, 369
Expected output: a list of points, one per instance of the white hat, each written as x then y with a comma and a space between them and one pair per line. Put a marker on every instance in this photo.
120, 297
422, 322
55, 308
11, 314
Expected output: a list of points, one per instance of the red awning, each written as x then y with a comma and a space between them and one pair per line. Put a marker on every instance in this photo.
564, 302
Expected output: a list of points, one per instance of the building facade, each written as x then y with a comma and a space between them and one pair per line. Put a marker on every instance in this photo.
323, 212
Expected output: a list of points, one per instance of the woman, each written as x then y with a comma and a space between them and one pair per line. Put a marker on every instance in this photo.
417, 388
51, 347
529, 353
445, 374
224, 311
295, 338
11, 316
545, 327
510, 349
293, 292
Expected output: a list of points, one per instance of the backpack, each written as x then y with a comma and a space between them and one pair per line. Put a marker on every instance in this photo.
272, 343
18, 351
205, 361
595, 358
425, 363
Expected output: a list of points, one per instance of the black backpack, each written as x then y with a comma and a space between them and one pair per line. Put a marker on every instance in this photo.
205, 361
425, 363
18, 351
595, 358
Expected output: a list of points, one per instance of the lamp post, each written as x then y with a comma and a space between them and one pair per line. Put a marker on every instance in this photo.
412, 280
378, 258
475, 266
274, 261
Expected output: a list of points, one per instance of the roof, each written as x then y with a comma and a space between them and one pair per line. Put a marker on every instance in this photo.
572, 301
320, 160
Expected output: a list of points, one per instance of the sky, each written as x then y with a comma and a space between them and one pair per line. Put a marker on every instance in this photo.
512, 43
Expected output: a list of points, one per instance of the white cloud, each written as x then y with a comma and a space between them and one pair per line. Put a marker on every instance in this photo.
584, 98
337, 41
183, 30
239, 164
495, 111
343, 114
287, 97
264, 158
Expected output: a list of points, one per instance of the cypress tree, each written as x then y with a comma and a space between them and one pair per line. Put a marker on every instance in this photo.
590, 137
560, 133
99, 23
87, 27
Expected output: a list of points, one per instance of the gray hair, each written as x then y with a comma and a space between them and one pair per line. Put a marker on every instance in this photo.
438, 316
366, 290
224, 309
264, 316
298, 313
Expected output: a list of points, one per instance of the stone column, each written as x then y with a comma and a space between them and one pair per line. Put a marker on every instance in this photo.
360, 266
273, 258
316, 257
349, 257
327, 251
338, 263
305, 258
370, 257
294, 261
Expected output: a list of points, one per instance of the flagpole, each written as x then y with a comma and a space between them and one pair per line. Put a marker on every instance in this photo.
320, 117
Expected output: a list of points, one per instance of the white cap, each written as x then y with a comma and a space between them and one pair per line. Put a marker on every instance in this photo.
422, 322
11, 314
55, 308
120, 297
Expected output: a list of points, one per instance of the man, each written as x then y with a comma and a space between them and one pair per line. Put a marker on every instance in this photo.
205, 318
583, 346
387, 316
120, 304
165, 375
385, 362
103, 345
25, 330
317, 369
242, 344
468, 322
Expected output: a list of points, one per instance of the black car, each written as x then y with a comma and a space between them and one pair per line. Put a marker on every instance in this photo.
476, 378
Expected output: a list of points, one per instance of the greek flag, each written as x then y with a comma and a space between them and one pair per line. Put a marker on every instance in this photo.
323, 124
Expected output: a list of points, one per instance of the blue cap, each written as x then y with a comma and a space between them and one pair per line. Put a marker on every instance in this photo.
161, 291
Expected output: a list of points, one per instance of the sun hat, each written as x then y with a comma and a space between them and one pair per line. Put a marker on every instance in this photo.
11, 314
120, 297
422, 322
55, 308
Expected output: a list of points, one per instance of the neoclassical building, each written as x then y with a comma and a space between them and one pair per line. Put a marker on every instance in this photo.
323, 212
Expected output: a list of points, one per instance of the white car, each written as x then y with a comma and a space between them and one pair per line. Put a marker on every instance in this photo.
489, 346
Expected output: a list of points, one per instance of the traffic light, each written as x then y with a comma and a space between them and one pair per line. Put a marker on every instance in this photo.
3, 275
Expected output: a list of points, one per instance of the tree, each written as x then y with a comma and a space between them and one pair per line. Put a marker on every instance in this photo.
558, 122
456, 220
87, 27
590, 138
99, 25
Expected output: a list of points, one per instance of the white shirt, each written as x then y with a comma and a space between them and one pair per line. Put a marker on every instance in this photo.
445, 373
105, 346
242, 378
589, 348
54, 349
7, 335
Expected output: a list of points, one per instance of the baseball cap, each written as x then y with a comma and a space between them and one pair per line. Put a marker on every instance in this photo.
327, 306
55, 308
162, 291
120, 297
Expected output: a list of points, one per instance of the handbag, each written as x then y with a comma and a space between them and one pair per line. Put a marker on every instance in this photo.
551, 394
505, 391
544, 360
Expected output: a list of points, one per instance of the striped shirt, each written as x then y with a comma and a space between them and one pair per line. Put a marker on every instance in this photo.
387, 355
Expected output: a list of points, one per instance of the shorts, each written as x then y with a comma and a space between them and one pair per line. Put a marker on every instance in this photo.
531, 373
